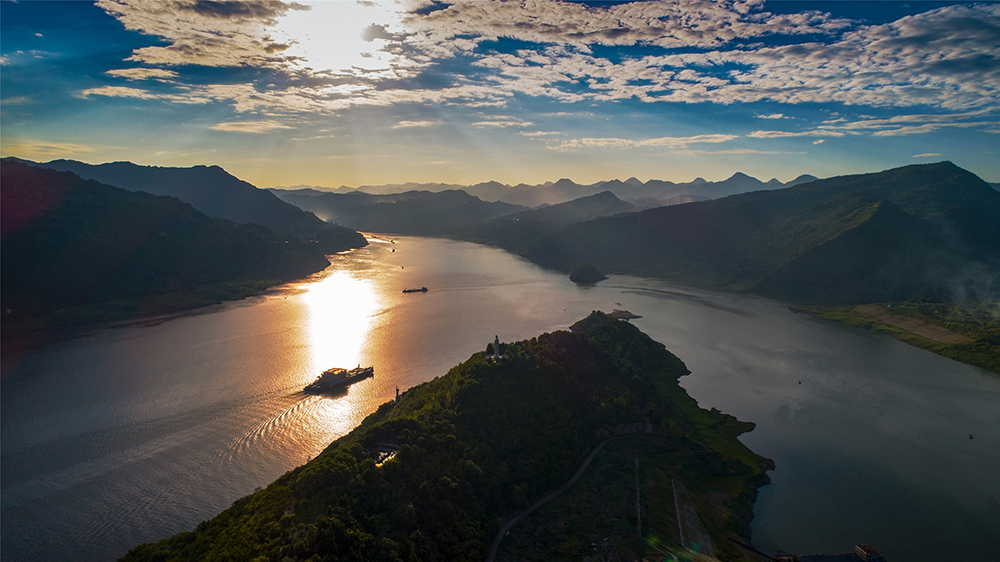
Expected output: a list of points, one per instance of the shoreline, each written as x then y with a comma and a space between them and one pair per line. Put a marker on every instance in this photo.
965, 336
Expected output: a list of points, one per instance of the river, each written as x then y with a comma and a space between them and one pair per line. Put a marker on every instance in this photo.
126, 434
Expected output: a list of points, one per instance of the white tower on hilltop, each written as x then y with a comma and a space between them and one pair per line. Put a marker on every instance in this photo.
496, 348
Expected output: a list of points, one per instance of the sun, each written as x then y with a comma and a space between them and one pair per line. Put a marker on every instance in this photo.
340, 36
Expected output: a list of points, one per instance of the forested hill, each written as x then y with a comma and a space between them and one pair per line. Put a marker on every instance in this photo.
482, 443
917, 232
518, 231
215, 192
78, 251
411, 212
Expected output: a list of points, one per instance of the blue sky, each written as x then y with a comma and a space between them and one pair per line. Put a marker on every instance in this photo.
368, 92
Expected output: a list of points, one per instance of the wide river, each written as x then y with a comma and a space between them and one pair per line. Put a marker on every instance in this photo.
127, 434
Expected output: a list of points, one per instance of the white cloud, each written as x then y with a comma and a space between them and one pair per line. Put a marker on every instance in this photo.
927, 155
204, 33
947, 58
502, 122
119, 92
409, 124
256, 127
668, 142
143, 73
787, 134
533, 134
820, 141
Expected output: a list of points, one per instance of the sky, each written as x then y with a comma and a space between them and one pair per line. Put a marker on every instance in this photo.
366, 92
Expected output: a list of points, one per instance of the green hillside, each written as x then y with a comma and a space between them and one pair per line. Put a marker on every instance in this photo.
919, 232
518, 231
479, 445
217, 193
77, 251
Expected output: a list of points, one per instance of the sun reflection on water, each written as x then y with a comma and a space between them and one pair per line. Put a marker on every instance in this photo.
340, 317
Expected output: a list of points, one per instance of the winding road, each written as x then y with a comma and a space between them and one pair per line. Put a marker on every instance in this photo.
576, 476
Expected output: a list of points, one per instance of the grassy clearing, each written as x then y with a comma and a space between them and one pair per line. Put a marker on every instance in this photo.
978, 322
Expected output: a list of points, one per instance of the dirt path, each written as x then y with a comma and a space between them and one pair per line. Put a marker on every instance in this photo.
576, 476
884, 314
693, 533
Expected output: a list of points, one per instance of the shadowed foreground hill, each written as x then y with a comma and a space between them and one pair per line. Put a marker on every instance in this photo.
918, 232
78, 251
215, 192
480, 444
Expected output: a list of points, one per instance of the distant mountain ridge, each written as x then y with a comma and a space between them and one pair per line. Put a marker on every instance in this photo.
411, 212
653, 193
215, 192
518, 231
924, 231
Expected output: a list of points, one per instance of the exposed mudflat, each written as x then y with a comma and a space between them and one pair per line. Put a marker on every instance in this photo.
942, 335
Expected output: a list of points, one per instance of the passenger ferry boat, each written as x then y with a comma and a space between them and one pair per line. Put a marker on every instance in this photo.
336, 377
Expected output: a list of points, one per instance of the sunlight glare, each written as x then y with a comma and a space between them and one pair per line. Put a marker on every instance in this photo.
340, 318
329, 35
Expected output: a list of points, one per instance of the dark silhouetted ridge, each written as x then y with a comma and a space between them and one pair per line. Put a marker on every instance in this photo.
77, 251
215, 192
922, 231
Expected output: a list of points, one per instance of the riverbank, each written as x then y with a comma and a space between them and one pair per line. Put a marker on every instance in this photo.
32, 332
481, 444
969, 333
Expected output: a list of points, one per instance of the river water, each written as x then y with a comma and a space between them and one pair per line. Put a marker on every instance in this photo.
130, 433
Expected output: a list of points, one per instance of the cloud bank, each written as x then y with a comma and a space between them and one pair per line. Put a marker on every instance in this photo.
486, 53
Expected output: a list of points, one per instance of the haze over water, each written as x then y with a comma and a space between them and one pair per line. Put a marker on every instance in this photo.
132, 433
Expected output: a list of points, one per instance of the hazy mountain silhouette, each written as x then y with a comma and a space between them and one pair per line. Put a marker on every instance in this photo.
69, 242
518, 231
653, 193
924, 231
215, 192
412, 212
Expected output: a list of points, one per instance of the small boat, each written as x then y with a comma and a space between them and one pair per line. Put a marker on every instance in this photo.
336, 378
420, 290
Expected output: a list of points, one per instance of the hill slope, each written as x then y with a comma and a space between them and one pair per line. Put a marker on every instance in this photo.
412, 212
480, 444
926, 231
519, 230
77, 251
217, 193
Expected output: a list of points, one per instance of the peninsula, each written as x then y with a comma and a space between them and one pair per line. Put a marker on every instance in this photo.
437, 473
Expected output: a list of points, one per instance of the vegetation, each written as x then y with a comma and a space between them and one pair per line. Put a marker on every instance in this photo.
920, 232
977, 323
412, 212
517, 232
587, 274
78, 251
215, 192
482, 443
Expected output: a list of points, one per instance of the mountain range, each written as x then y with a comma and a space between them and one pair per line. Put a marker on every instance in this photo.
77, 251
917, 232
215, 192
412, 212
652, 193
518, 231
